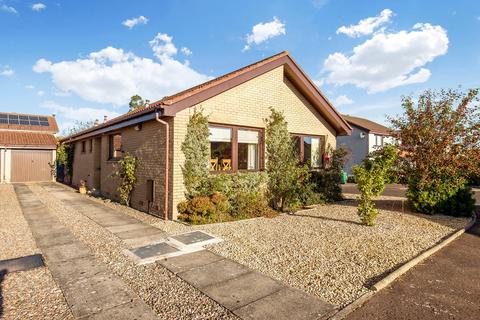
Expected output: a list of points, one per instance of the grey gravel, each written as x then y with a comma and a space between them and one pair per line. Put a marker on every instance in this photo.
29, 294
168, 295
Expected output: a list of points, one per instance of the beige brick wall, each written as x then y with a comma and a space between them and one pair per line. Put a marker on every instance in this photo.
248, 105
147, 145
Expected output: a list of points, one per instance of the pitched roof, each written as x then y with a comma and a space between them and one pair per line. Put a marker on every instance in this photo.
27, 139
28, 122
170, 105
369, 125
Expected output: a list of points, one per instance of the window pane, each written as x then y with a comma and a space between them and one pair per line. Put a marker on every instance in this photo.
220, 149
218, 134
248, 150
296, 144
311, 151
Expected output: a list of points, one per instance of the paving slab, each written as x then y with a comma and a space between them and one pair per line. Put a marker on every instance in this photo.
153, 250
21, 263
138, 233
127, 227
146, 240
213, 273
286, 304
242, 290
189, 261
65, 252
91, 295
55, 238
75, 269
127, 311
192, 237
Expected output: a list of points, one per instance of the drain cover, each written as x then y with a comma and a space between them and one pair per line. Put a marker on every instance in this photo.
153, 250
193, 237
22, 263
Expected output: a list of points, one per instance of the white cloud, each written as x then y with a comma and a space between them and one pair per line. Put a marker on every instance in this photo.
5, 8
40, 93
261, 32
366, 26
162, 46
186, 51
38, 6
130, 23
112, 75
29, 87
389, 60
7, 72
319, 3
342, 100
70, 114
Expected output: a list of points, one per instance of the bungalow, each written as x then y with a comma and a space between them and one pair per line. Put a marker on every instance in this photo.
27, 147
367, 136
236, 103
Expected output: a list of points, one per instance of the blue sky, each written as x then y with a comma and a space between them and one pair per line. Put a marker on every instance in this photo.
83, 59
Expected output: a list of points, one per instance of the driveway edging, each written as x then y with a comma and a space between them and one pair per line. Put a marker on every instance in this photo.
381, 284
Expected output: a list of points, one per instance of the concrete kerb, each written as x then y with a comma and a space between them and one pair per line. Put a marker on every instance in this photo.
385, 282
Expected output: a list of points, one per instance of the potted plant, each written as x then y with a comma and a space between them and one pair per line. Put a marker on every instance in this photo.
82, 188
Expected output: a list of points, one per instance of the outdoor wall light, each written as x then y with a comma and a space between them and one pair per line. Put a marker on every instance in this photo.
362, 135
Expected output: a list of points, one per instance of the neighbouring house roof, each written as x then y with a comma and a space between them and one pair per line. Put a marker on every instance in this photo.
10, 138
170, 105
368, 125
28, 122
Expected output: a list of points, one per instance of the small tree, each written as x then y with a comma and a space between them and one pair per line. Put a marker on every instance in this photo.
196, 148
286, 177
440, 142
77, 127
127, 174
136, 102
371, 176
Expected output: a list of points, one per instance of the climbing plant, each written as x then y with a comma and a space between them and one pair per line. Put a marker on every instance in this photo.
126, 172
371, 177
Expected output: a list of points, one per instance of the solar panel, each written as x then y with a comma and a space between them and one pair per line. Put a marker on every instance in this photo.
26, 120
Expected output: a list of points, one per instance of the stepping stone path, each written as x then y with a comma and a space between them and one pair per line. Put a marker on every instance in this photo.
90, 290
246, 293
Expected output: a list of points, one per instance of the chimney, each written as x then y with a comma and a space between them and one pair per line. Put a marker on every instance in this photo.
54, 115
105, 118
96, 123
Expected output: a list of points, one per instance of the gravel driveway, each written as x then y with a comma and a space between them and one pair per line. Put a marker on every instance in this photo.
324, 251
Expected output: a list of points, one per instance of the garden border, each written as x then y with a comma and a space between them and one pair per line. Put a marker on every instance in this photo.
391, 277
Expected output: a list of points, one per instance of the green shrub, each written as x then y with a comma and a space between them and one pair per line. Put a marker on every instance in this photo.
201, 210
370, 177
286, 176
196, 149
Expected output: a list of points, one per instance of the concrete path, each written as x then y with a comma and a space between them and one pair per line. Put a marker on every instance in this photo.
91, 291
248, 294
445, 286
132, 231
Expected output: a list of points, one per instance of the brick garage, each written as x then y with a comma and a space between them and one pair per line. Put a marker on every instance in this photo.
239, 100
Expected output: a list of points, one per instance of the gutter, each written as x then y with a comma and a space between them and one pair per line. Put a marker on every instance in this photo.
167, 161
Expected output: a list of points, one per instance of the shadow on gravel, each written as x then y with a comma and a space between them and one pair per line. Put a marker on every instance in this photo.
325, 218
2, 277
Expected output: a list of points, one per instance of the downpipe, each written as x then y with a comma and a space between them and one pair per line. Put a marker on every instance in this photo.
167, 161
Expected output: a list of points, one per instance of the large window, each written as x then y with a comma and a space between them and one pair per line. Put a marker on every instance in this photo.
310, 149
234, 148
115, 146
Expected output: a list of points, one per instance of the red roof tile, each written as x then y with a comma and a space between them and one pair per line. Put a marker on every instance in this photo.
26, 139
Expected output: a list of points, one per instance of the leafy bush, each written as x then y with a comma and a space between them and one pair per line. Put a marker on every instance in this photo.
286, 177
128, 167
196, 149
440, 150
327, 180
371, 177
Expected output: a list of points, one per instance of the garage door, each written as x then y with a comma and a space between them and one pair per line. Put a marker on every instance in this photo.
31, 165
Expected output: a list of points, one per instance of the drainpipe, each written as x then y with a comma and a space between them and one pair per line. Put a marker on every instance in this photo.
167, 160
